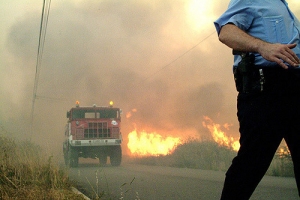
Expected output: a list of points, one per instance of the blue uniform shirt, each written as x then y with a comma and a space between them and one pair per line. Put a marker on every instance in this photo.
269, 20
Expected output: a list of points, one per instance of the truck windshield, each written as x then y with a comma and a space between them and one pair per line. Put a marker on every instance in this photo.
82, 114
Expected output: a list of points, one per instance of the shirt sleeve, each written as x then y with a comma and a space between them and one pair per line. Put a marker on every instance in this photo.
239, 12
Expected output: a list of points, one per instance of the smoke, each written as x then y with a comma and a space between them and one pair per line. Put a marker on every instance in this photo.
99, 51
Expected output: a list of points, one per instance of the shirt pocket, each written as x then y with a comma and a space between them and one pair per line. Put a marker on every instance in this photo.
275, 30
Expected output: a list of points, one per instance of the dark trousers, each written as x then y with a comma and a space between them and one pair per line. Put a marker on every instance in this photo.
265, 119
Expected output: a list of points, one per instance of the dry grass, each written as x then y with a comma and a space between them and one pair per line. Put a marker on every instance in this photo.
26, 172
209, 155
193, 154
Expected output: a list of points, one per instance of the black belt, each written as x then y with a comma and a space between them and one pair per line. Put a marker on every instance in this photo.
268, 79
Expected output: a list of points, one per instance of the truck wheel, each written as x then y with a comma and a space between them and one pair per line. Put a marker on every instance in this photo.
116, 156
65, 152
102, 159
66, 158
73, 158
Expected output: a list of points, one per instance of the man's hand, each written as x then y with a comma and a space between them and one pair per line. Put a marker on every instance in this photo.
279, 53
239, 40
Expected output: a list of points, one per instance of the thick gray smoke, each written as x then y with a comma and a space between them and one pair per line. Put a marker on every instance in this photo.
97, 51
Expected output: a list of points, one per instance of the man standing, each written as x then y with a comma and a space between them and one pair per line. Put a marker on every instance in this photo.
264, 35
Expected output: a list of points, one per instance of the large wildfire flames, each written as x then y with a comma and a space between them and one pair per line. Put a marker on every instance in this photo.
149, 144
219, 136
144, 143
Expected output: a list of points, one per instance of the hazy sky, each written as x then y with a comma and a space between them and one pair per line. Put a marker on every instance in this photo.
101, 50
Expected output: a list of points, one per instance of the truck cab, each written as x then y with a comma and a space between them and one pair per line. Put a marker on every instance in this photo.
93, 132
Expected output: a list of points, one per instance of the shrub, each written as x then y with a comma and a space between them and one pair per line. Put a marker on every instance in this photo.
202, 155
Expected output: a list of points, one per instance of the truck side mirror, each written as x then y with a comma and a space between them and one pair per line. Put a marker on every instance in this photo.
68, 114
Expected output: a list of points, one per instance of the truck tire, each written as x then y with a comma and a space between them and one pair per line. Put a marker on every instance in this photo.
103, 159
116, 156
66, 158
73, 158
65, 152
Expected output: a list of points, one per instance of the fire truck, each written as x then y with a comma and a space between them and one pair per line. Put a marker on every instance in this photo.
93, 132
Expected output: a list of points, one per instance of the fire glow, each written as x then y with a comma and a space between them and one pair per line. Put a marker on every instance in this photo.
149, 144
153, 144
219, 136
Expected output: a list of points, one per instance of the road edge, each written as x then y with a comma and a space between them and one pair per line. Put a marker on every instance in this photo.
80, 193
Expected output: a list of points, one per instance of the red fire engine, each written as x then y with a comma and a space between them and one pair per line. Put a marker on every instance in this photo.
93, 132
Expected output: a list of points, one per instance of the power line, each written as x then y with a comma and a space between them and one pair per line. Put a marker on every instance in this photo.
42, 36
180, 56
52, 98
150, 76
153, 74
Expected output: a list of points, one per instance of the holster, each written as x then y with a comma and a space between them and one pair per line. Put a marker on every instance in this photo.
247, 77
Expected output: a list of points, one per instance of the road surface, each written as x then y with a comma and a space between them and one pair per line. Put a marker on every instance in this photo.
131, 182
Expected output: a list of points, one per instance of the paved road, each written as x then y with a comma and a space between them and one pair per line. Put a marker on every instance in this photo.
165, 183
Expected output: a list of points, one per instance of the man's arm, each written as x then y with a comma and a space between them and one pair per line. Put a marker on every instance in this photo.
237, 39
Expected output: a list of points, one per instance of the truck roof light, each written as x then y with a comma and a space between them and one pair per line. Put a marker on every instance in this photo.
77, 103
111, 103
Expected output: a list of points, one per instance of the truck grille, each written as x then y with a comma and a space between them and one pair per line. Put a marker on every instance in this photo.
96, 130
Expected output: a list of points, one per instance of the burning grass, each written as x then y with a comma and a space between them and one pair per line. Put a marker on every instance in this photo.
209, 155
26, 172
193, 154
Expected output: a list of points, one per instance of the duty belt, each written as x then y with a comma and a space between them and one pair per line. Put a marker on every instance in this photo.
267, 79
251, 78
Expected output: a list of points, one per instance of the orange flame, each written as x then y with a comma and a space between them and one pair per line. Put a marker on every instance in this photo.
219, 136
129, 114
283, 151
144, 143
